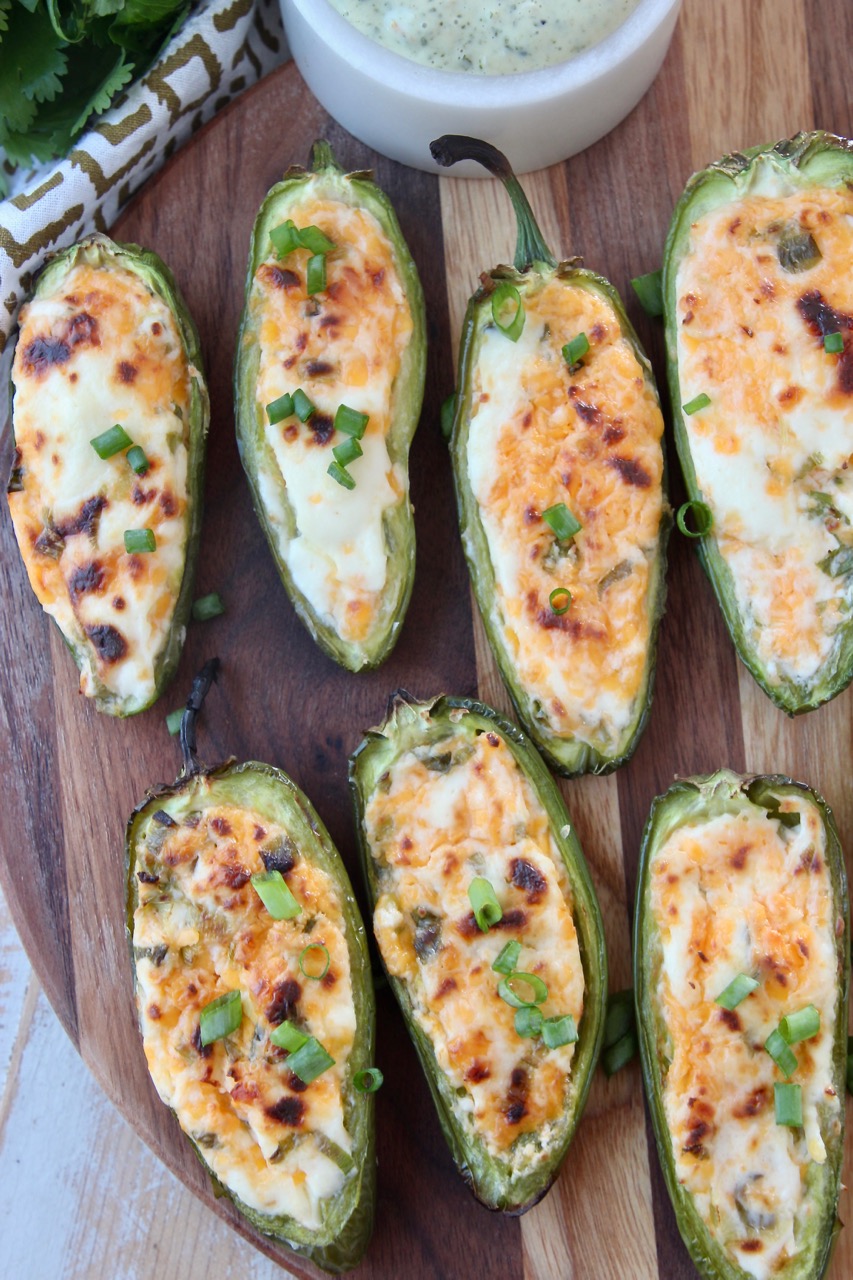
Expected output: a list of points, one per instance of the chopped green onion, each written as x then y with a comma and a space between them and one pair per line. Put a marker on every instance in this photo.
560, 519
649, 289
833, 343
789, 1104
315, 275
574, 351
487, 909
698, 402
537, 987
558, 1031
779, 1050
315, 241
287, 1036
138, 460
507, 957
274, 893
207, 607
560, 600
116, 440
286, 238
173, 720
347, 451
302, 406
448, 413
139, 540
797, 249
618, 1055
368, 1081
310, 1061
737, 990
702, 516
528, 1021
278, 410
322, 954
339, 473
801, 1025
221, 1017
350, 422
620, 1017
505, 298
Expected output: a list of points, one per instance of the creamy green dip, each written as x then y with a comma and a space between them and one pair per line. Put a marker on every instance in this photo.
487, 38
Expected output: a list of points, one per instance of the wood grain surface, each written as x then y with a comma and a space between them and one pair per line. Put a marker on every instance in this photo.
739, 72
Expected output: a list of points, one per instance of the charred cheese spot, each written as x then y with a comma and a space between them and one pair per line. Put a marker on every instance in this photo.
461, 810
343, 346
541, 434
739, 1166
772, 450
100, 349
240, 1094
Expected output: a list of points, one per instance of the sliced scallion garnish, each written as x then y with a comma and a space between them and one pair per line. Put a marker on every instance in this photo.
317, 958
341, 475
221, 1017
649, 289
620, 1017
508, 311
285, 238
698, 402
108, 443
347, 451
302, 406
207, 607
618, 1055
507, 957
560, 600
781, 1053
274, 892
368, 1081
173, 720
789, 1104
310, 1061
702, 516
574, 351
528, 1021
561, 521
315, 240
315, 274
278, 410
737, 990
287, 1036
507, 992
833, 343
801, 1025
559, 1031
350, 422
484, 903
448, 413
136, 540
138, 459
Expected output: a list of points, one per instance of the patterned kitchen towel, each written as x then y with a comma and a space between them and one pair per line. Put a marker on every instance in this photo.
225, 46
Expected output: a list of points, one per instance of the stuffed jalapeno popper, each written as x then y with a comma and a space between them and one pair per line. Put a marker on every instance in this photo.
758, 291
490, 932
328, 386
559, 472
255, 999
110, 415
741, 961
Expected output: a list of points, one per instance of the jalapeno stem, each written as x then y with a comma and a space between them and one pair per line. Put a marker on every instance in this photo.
530, 246
322, 157
198, 693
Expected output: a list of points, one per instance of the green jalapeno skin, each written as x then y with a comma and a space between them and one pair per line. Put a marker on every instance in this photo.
689, 804
327, 181
807, 161
410, 724
340, 1241
567, 753
100, 253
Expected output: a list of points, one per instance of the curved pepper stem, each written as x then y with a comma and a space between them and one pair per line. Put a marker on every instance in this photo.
530, 247
322, 157
198, 693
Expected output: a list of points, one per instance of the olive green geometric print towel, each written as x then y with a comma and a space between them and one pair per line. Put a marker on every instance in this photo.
224, 46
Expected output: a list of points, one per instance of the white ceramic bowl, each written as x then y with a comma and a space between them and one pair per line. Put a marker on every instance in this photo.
536, 118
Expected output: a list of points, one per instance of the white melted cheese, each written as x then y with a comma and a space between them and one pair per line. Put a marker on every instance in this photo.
778, 429
745, 894
58, 408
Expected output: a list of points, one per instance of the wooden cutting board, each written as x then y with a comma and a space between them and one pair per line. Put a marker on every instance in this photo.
739, 73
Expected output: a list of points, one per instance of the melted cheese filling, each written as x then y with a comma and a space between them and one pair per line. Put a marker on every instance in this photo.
201, 930
443, 816
773, 448
341, 346
745, 894
102, 349
540, 435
